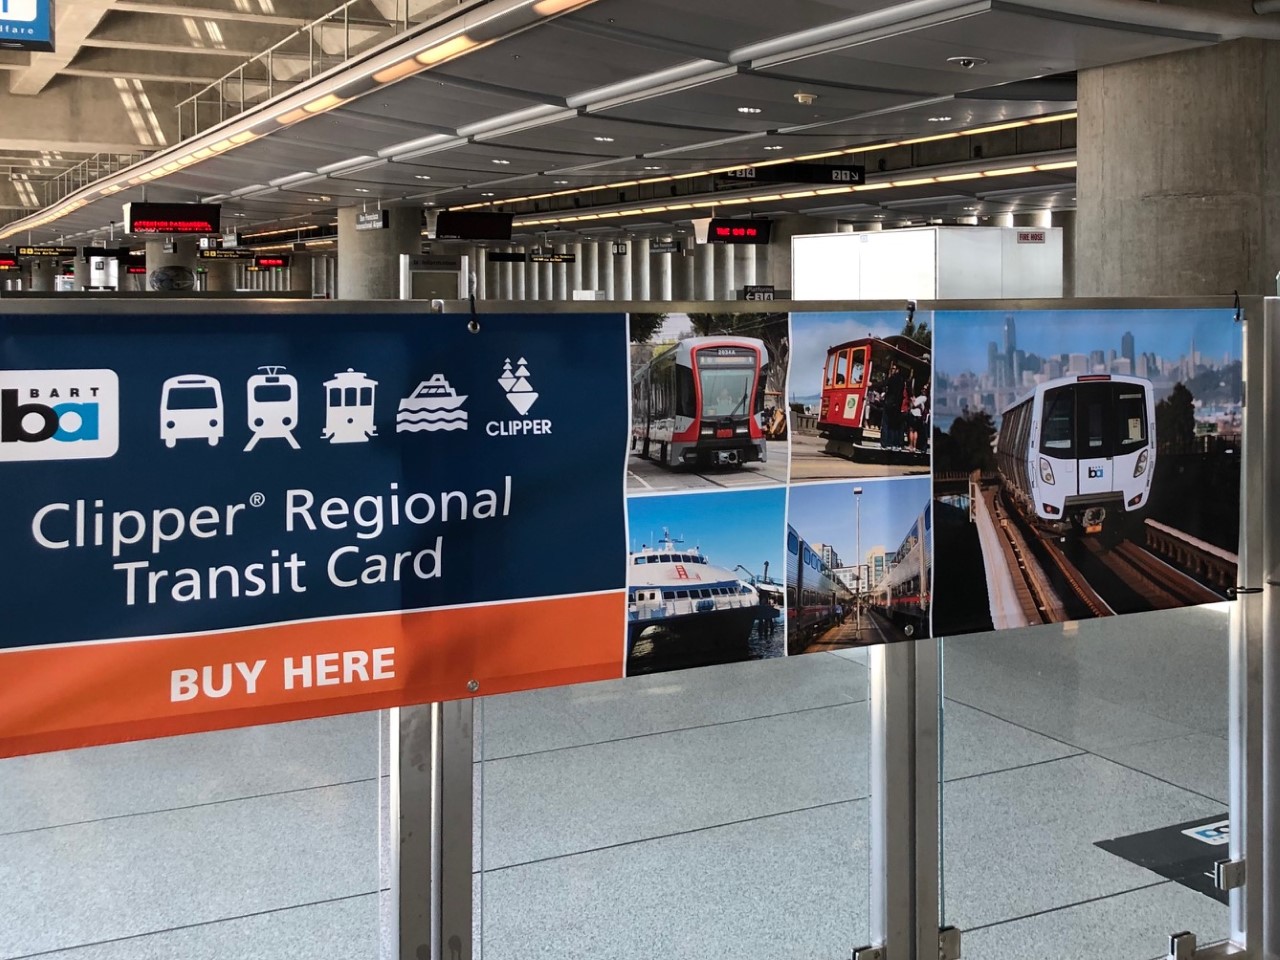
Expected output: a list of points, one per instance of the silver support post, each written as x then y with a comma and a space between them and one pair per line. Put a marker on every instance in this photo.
1268, 825
431, 824
891, 670
1246, 653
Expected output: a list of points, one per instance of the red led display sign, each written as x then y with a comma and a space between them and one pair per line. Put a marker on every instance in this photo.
738, 231
136, 271
164, 218
263, 262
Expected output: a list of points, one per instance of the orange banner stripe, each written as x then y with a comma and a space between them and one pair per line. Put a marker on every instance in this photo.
83, 695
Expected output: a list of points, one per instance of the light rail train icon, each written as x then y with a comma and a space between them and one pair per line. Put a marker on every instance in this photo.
273, 406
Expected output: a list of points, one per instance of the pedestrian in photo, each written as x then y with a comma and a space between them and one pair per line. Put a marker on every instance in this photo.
891, 408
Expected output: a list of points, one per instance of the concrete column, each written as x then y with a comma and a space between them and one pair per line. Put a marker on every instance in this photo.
42, 273
682, 265
81, 268
604, 268
574, 271
704, 286
590, 257
777, 264
369, 260
661, 283
219, 275
744, 267
519, 276
532, 280
622, 274
301, 277
547, 281
725, 285
1066, 219
1179, 171
640, 257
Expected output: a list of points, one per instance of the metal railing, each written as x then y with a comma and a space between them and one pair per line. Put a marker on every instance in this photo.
312, 49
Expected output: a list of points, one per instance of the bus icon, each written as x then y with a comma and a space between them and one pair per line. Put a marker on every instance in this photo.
191, 409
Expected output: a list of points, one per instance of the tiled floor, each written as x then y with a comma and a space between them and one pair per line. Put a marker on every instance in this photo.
713, 813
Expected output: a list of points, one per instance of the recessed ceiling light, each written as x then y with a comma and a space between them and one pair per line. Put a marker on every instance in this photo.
879, 216
421, 176
239, 214
503, 162
652, 168
603, 139
317, 199
774, 147
560, 182
486, 194
938, 119
968, 62
362, 189
748, 109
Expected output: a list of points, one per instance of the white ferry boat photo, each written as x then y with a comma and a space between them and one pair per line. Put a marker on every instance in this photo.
677, 598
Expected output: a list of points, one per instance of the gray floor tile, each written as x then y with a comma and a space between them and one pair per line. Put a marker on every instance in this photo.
791, 887
1131, 926
975, 743
339, 930
1022, 841
595, 712
1199, 762
1101, 683
127, 778
90, 882
567, 801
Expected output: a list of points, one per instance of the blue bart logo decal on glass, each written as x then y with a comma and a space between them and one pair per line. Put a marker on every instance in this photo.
59, 414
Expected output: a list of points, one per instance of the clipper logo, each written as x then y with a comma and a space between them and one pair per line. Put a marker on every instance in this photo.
59, 414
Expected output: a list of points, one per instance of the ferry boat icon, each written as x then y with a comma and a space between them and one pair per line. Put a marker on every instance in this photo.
433, 405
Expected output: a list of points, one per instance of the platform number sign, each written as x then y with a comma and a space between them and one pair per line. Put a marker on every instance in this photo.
26, 24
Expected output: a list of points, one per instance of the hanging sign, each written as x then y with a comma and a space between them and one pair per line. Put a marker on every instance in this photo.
504, 256
171, 218
220, 254
270, 262
373, 220
666, 246
620, 248
758, 292
851, 174
552, 258
722, 230
46, 251
26, 25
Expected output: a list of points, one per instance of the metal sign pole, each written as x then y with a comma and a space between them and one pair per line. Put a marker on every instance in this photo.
1269, 760
431, 824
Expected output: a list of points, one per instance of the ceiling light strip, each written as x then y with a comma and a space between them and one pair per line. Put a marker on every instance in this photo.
906, 182
864, 148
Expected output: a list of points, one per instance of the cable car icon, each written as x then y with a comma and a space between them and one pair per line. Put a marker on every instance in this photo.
349, 408
273, 406
191, 409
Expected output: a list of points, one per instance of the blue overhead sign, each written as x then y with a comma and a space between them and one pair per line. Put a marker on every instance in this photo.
26, 25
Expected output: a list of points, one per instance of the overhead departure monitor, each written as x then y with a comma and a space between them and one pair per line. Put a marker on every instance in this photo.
473, 225
168, 218
722, 230
267, 262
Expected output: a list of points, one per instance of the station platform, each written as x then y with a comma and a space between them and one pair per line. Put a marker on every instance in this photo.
701, 814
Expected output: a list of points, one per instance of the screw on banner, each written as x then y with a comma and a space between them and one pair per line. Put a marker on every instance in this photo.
473, 685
